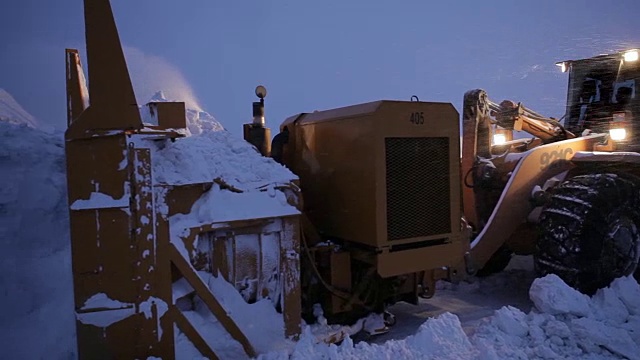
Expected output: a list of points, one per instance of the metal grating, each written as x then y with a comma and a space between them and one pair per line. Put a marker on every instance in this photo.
418, 179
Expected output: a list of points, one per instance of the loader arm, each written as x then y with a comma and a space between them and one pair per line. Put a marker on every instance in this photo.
476, 142
479, 113
533, 168
513, 116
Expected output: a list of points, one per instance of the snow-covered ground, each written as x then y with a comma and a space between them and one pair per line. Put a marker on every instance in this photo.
471, 300
506, 316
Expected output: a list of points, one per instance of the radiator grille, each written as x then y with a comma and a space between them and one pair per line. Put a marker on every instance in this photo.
417, 174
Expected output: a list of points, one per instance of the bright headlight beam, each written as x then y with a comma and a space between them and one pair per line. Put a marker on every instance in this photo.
617, 134
630, 56
499, 139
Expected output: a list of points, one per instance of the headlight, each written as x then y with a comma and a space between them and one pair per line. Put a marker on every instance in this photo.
630, 56
563, 66
617, 134
499, 139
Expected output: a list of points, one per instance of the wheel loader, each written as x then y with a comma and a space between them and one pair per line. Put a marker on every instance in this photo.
571, 192
390, 207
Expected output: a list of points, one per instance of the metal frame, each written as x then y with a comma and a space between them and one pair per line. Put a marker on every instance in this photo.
122, 246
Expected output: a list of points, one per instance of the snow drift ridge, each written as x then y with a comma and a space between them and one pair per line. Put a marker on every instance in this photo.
12, 112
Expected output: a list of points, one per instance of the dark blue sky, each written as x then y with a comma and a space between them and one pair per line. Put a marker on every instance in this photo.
314, 55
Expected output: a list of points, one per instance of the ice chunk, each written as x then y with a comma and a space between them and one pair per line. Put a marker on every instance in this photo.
551, 295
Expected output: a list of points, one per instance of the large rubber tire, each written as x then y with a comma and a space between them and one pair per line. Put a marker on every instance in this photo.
590, 231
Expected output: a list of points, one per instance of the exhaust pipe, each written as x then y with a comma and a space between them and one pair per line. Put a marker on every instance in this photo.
256, 133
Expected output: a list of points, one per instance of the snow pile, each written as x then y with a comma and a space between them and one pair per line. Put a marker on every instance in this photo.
437, 338
245, 185
12, 112
198, 121
216, 154
213, 153
564, 325
37, 291
245, 181
260, 322
568, 324
220, 206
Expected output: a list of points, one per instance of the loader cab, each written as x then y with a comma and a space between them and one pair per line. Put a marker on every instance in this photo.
602, 93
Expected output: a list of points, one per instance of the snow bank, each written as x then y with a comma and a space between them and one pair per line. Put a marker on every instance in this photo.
37, 293
567, 324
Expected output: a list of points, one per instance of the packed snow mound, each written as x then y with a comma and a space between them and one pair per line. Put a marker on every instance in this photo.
198, 122
12, 112
216, 154
245, 181
32, 186
567, 324
605, 326
37, 291
438, 338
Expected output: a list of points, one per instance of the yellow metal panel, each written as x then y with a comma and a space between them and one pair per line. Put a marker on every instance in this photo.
339, 156
415, 260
